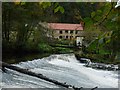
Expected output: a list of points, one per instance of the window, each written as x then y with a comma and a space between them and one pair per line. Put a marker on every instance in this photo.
76, 32
66, 31
60, 32
71, 37
66, 37
71, 32
60, 37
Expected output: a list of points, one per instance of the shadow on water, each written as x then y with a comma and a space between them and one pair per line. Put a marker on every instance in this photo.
16, 58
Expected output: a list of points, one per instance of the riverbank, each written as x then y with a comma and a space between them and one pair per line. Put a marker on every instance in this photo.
13, 58
16, 57
97, 58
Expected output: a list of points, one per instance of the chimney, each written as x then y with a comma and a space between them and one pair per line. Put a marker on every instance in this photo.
83, 24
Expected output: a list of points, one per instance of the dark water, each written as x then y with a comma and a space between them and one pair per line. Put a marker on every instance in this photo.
16, 58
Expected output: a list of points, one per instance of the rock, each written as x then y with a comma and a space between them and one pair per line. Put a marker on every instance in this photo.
103, 66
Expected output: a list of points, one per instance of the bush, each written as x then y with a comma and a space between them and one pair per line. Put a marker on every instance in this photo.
43, 47
62, 50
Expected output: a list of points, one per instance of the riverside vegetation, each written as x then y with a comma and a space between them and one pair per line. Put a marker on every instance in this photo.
23, 32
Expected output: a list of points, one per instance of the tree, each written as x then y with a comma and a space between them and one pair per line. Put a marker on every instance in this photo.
21, 20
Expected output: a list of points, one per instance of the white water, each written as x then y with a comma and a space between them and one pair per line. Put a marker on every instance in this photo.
63, 68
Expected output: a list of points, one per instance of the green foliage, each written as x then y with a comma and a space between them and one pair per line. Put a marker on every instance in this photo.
45, 4
18, 18
59, 8
99, 12
88, 21
24, 17
93, 14
62, 50
42, 47
96, 14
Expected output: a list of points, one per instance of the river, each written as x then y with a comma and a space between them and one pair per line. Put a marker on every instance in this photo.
61, 67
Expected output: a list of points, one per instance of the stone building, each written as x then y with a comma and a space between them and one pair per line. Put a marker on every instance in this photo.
66, 31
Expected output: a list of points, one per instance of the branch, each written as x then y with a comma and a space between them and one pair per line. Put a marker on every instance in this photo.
25, 71
99, 23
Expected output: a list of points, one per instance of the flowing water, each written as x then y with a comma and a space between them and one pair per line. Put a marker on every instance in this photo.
63, 68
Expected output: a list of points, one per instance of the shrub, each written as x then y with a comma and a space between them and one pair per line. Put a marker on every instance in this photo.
43, 47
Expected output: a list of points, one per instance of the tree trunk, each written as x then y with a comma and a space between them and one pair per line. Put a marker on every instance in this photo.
25, 71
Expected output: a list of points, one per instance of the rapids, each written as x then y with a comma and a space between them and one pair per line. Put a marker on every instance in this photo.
61, 67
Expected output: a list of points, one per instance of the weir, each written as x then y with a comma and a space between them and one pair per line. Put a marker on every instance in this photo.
25, 71
56, 71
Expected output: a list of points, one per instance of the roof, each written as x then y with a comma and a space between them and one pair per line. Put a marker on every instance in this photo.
64, 26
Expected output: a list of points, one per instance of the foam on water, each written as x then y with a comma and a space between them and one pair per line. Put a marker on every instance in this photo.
63, 68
